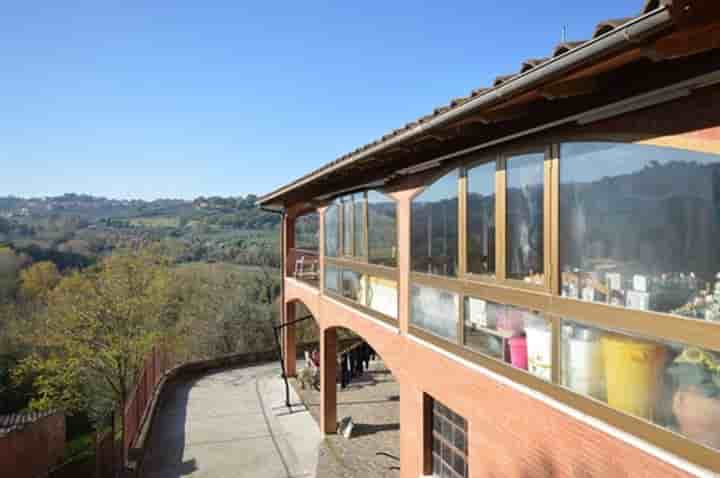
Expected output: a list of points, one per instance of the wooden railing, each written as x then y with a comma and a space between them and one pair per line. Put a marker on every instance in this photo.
155, 366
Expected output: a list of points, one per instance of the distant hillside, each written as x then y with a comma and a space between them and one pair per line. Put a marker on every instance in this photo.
230, 229
240, 212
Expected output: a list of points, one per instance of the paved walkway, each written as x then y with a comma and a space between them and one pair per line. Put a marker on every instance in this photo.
233, 423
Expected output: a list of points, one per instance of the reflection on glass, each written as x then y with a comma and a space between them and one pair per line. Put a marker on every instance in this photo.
382, 229
435, 310
481, 219
525, 217
359, 225
332, 231
434, 240
352, 286
307, 228
515, 335
670, 385
332, 278
382, 296
640, 227
347, 226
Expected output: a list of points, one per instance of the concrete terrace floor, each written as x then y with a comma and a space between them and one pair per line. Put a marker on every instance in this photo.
373, 450
232, 423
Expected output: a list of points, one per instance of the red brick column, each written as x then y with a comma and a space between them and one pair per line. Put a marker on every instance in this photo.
404, 202
412, 432
328, 381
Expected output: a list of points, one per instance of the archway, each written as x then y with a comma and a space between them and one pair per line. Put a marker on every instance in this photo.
358, 409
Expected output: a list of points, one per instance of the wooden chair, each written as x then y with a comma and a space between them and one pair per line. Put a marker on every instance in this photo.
306, 267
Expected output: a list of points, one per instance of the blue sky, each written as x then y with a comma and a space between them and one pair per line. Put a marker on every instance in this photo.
180, 99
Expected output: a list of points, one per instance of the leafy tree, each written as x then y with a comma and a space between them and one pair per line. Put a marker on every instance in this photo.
38, 280
101, 324
10, 265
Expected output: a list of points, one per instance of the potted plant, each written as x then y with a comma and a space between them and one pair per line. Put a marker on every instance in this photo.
696, 403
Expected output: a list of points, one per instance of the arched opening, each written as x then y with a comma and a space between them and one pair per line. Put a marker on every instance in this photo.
351, 392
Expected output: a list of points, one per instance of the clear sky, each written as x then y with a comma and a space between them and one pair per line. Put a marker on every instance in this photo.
185, 98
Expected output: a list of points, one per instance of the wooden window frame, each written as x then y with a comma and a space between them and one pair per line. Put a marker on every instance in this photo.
463, 221
430, 180
547, 300
396, 245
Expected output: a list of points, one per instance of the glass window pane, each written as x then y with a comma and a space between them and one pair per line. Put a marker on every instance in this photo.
347, 226
332, 278
449, 442
352, 286
332, 232
515, 335
671, 385
434, 238
382, 229
446, 453
382, 296
481, 219
460, 441
459, 464
435, 310
525, 217
639, 227
307, 228
359, 225
437, 464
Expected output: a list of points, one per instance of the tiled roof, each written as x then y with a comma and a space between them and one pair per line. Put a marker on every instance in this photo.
602, 28
16, 421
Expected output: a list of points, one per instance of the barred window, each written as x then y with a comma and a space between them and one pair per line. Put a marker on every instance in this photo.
449, 443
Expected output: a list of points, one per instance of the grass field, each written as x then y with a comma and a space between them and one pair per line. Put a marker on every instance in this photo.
157, 222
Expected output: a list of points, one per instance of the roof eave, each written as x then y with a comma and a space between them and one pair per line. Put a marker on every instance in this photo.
625, 36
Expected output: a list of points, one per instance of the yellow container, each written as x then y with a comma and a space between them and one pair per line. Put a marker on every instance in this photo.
633, 371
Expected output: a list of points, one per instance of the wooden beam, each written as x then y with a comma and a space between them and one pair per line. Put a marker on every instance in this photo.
688, 42
571, 88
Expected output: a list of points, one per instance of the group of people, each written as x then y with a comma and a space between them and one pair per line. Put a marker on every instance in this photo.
354, 362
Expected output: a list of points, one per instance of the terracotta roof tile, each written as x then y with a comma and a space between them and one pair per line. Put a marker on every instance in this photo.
562, 48
565, 47
609, 25
532, 63
503, 78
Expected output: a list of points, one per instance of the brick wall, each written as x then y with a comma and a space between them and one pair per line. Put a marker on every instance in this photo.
31, 450
511, 434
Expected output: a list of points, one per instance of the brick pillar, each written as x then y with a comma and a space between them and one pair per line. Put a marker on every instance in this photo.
414, 460
288, 232
328, 381
289, 342
404, 199
321, 215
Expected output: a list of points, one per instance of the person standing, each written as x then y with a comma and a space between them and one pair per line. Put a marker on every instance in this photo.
344, 370
365, 350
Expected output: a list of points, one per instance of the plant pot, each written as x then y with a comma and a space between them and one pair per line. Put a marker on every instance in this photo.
698, 416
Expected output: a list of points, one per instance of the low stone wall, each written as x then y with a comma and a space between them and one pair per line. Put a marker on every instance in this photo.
31, 450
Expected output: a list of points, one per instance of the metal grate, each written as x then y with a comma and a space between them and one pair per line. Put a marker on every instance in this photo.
449, 444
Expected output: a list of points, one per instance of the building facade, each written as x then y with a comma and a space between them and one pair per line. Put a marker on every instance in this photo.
537, 263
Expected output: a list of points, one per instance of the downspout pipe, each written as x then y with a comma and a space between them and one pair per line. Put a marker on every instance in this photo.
627, 35
283, 216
